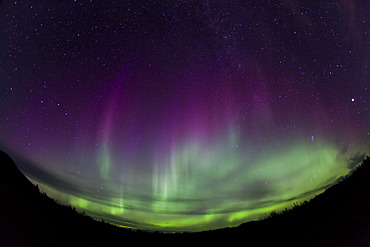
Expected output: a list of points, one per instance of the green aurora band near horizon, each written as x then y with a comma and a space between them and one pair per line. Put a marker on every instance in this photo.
184, 115
199, 188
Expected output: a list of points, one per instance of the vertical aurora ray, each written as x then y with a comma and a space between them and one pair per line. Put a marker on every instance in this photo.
104, 161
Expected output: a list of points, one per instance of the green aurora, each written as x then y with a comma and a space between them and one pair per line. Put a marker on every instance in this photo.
198, 189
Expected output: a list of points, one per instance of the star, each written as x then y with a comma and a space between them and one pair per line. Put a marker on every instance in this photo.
155, 102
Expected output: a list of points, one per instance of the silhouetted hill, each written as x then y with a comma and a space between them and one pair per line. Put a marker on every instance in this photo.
30, 218
338, 217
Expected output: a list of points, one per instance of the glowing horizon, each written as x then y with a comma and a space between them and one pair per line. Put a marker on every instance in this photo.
177, 116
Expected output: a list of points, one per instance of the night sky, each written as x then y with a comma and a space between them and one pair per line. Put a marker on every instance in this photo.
184, 115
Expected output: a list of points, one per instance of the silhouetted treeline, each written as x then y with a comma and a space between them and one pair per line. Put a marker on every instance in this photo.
338, 217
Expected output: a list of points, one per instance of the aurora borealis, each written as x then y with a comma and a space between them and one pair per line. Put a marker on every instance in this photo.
184, 115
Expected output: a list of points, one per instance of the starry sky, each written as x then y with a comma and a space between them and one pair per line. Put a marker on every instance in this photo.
184, 115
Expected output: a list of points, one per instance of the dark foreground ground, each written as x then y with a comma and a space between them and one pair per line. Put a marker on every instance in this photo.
338, 217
